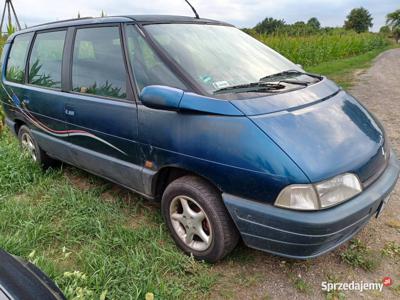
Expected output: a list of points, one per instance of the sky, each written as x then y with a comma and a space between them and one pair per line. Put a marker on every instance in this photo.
242, 13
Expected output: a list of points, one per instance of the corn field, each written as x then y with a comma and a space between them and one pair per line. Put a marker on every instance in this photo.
315, 49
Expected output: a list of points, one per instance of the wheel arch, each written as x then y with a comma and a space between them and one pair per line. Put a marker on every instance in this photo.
168, 174
18, 123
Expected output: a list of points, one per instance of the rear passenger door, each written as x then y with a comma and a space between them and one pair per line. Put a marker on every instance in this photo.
101, 109
43, 97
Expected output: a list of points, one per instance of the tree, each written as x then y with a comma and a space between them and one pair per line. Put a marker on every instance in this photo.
299, 23
314, 23
393, 21
359, 20
250, 31
396, 34
269, 25
385, 30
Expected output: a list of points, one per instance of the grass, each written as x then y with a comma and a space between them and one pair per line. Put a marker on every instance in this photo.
302, 286
358, 255
391, 249
88, 245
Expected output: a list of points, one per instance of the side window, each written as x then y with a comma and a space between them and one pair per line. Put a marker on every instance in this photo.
98, 66
16, 60
148, 68
46, 59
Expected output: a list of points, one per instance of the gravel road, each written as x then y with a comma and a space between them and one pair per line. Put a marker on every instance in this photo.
379, 90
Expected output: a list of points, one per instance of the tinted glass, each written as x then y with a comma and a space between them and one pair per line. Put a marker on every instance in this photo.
98, 66
46, 59
17, 58
147, 66
218, 56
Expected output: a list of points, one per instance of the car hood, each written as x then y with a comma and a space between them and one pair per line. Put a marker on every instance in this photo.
260, 104
323, 129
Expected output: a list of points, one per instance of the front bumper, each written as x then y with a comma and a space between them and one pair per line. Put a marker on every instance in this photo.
303, 235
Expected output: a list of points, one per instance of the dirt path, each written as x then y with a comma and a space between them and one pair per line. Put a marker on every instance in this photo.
379, 90
251, 274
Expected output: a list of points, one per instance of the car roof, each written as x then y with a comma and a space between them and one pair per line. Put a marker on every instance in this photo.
139, 19
172, 19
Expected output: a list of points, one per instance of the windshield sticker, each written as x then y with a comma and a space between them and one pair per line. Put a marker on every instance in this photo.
220, 84
206, 79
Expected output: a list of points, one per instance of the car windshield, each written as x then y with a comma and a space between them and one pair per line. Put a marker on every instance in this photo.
217, 56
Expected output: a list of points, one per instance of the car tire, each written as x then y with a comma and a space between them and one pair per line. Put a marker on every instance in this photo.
29, 144
198, 220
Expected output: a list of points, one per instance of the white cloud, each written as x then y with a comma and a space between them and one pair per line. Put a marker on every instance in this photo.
241, 13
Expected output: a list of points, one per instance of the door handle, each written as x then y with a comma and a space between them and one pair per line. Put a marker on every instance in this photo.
26, 101
69, 112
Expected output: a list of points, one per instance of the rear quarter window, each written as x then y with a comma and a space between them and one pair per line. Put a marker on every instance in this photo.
17, 58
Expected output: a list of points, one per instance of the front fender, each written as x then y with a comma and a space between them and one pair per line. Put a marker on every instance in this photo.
229, 151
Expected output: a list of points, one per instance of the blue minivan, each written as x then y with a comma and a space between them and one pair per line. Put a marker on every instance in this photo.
233, 139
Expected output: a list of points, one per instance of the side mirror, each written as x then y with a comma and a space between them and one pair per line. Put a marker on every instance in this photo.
161, 97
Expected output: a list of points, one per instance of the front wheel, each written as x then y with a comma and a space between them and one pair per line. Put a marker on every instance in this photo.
197, 219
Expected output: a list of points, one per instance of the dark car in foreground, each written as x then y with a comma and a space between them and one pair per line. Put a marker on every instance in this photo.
235, 140
21, 280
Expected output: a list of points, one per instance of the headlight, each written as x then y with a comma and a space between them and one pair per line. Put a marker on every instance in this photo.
321, 195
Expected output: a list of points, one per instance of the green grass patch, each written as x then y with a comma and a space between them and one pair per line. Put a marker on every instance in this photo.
302, 286
391, 249
92, 248
358, 255
2, 118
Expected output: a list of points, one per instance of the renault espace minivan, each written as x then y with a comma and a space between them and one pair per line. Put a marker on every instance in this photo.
236, 141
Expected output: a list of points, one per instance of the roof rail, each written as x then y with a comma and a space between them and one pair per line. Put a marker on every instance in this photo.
61, 21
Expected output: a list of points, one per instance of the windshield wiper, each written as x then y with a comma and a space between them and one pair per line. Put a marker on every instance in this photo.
281, 76
296, 82
251, 87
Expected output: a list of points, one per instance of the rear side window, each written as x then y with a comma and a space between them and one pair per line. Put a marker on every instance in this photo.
148, 68
46, 59
17, 59
98, 66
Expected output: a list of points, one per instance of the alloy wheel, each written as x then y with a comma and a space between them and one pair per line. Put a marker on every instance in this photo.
29, 145
191, 223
